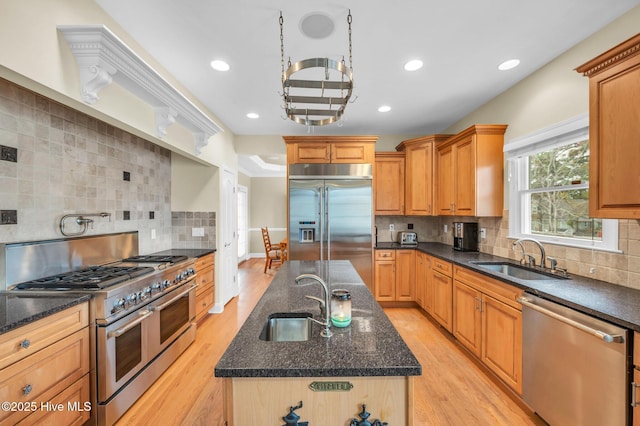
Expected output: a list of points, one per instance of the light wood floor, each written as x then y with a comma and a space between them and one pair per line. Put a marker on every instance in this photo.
452, 390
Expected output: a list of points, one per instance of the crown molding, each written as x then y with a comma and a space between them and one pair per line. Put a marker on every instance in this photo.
103, 58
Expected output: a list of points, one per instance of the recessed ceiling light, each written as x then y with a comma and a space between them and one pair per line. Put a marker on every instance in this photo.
219, 65
507, 65
413, 65
384, 108
253, 115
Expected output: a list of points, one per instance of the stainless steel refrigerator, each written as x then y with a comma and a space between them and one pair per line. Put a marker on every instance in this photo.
331, 214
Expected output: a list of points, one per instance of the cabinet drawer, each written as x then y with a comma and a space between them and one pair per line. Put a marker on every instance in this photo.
24, 341
494, 288
441, 266
204, 302
205, 280
205, 261
43, 375
385, 254
73, 399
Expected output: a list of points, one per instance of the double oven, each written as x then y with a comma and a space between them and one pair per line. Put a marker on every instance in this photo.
142, 309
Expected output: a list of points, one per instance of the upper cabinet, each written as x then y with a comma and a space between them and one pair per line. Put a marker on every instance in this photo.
419, 154
469, 172
614, 131
388, 183
330, 149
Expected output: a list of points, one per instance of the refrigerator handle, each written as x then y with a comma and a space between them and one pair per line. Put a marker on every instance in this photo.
328, 225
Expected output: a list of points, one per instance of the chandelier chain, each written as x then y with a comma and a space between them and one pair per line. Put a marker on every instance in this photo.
349, 20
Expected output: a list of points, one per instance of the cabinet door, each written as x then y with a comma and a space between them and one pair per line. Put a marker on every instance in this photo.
352, 153
444, 181
421, 279
385, 280
419, 180
502, 341
442, 299
467, 318
388, 185
405, 275
312, 153
464, 192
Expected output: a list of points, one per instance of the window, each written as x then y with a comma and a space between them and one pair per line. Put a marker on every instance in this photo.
549, 188
243, 208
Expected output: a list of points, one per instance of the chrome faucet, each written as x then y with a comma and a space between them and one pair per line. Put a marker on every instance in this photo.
532, 261
327, 314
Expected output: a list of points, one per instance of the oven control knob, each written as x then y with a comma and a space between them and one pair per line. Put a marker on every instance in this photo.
118, 306
132, 299
166, 283
156, 287
145, 293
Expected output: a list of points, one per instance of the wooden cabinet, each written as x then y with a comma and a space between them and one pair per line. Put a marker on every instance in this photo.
635, 385
205, 278
388, 183
419, 173
614, 90
469, 170
487, 320
423, 265
439, 292
394, 275
47, 361
330, 149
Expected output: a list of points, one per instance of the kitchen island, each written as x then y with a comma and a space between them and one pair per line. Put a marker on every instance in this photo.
365, 363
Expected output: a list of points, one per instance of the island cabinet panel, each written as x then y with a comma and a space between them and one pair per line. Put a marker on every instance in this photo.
265, 401
330, 149
614, 111
488, 321
388, 183
469, 169
205, 278
419, 166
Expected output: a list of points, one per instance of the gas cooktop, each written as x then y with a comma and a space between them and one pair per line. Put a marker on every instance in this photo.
92, 278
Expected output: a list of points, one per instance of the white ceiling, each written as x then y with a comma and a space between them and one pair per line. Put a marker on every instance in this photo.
461, 43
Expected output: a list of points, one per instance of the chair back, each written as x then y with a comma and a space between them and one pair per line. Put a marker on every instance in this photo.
266, 240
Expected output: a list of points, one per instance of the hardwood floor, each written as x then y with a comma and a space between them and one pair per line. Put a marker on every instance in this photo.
453, 390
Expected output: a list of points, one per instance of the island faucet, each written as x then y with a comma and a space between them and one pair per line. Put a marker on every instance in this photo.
532, 262
326, 332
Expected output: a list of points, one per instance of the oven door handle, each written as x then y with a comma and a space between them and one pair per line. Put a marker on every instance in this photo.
142, 316
169, 302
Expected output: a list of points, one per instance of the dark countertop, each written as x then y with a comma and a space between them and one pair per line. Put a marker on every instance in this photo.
610, 302
370, 346
184, 252
18, 310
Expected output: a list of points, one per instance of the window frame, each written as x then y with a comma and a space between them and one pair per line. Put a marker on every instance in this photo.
517, 152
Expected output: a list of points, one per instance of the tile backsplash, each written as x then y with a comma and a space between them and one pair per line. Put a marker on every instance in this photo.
193, 230
617, 268
68, 162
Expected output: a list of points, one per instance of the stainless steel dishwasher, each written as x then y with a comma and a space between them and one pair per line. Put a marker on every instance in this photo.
574, 367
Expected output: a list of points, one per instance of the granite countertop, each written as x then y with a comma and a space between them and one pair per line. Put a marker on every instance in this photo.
610, 302
184, 252
18, 310
370, 346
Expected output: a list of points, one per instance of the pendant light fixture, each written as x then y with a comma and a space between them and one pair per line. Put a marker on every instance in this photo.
316, 91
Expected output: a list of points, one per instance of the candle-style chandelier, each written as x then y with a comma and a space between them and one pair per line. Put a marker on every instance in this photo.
316, 91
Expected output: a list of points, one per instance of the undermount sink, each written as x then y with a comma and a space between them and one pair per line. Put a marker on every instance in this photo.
517, 271
287, 327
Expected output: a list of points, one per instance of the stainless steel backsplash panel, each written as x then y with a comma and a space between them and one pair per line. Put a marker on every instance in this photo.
32, 260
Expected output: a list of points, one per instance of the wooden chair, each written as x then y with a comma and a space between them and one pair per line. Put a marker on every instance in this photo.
273, 251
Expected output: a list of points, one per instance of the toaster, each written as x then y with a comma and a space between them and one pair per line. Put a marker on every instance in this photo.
407, 238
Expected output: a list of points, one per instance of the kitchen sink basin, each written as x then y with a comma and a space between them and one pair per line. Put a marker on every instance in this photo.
287, 327
517, 271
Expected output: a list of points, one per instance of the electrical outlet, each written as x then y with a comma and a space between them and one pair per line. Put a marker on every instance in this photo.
197, 232
592, 270
153, 234
392, 227
446, 228
483, 233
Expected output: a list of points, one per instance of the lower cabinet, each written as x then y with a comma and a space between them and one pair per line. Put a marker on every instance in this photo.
47, 362
205, 270
422, 269
439, 292
487, 320
394, 275
635, 385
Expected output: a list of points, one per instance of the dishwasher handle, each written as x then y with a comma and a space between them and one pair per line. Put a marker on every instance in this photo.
608, 338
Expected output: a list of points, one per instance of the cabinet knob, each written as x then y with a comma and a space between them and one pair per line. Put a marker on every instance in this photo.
27, 389
25, 343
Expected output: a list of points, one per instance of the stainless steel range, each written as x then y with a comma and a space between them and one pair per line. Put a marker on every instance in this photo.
143, 307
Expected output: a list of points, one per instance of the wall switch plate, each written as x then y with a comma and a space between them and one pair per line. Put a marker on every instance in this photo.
483, 233
392, 227
197, 232
153, 234
446, 228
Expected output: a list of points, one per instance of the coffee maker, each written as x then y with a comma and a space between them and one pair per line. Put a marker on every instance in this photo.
465, 236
